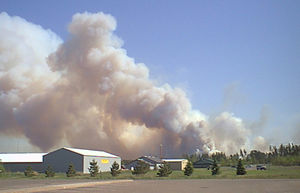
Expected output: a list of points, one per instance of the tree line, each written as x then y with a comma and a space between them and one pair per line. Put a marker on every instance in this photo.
284, 155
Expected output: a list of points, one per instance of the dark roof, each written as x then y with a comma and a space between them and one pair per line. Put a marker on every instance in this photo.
203, 163
205, 160
152, 160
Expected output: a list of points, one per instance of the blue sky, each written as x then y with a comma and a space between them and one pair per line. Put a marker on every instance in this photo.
236, 56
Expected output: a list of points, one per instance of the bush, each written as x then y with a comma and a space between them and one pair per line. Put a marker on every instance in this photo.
164, 170
188, 169
215, 170
94, 168
141, 168
29, 172
49, 172
114, 170
71, 171
240, 169
2, 169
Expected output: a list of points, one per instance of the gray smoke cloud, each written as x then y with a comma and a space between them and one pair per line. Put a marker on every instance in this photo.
233, 96
264, 117
296, 129
87, 92
261, 144
24, 72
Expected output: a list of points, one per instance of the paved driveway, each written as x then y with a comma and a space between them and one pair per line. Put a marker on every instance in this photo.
185, 186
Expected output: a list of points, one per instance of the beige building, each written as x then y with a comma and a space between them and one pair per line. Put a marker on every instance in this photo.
176, 164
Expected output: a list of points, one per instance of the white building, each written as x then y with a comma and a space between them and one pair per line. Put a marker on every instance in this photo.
17, 162
60, 159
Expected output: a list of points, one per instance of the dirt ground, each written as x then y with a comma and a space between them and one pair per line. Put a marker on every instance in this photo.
154, 186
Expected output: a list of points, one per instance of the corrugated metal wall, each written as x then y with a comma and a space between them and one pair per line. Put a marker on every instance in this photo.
60, 160
20, 167
104, 163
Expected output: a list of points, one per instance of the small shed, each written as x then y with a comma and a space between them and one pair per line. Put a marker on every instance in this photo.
60, 159
18, 162
176, 164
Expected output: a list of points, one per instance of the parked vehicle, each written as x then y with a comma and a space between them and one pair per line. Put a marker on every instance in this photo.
261, 167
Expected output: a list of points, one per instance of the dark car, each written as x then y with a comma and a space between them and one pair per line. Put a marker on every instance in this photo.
261, 167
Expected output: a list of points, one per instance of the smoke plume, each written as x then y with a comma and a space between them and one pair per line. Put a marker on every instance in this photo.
260, 144
88, 93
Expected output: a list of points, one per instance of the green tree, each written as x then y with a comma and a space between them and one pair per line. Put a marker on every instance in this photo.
204, 156
94, 168
245, 152
192, 157
29, 172
218, 156
257, 157
241, 153
240, 169
71, 171
188, 169
164, 170
215, 170
140, 168
114, 170
49, 172
2, 169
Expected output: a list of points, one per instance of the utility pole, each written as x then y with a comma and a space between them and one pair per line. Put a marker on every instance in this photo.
161, 153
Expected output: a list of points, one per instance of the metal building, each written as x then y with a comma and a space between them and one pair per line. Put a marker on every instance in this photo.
60, 159
18, 162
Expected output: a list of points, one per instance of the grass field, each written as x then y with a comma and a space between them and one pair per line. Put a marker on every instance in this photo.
273, 172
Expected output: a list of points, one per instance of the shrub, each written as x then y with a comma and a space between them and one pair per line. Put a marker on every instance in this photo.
240, 169
29, 172
188, 169
71, 171
49, 172
2, 169
114, 170
215, 170
164, 170
94, 168
141, 168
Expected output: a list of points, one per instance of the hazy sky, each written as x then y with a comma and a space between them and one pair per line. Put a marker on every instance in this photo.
236, 56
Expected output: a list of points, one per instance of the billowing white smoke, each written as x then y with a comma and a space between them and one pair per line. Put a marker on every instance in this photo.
260, 144
23, 68
95, 96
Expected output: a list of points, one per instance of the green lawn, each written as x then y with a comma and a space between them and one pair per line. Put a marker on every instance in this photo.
273, 172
